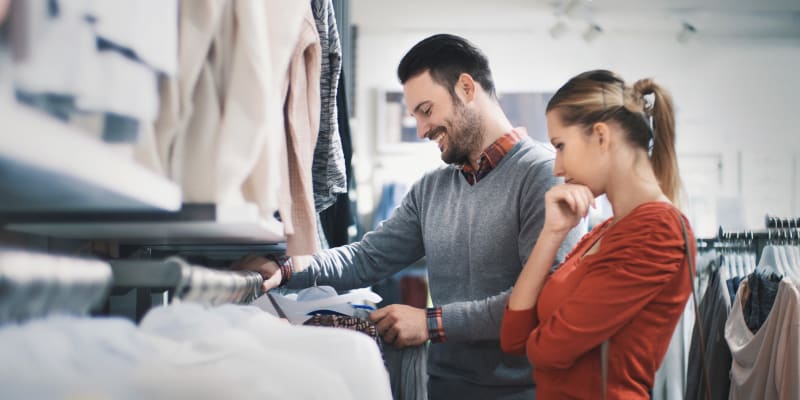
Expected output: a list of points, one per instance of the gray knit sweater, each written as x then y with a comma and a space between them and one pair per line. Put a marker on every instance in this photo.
475, 240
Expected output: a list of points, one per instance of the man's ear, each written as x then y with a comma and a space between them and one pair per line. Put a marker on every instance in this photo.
466, 86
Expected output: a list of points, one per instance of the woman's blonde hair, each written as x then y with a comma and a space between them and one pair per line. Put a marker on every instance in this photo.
601, 96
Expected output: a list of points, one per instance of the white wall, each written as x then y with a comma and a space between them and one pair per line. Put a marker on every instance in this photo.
736, 97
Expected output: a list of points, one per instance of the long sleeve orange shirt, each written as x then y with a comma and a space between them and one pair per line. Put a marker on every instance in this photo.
632, 291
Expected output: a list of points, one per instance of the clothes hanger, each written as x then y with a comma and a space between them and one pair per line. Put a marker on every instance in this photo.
769, 263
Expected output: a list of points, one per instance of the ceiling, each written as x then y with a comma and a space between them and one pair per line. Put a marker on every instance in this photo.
721, 18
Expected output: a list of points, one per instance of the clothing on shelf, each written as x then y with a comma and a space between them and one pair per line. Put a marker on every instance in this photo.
94, 56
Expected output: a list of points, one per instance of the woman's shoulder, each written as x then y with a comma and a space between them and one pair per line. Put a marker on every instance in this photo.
653, 215
650, 223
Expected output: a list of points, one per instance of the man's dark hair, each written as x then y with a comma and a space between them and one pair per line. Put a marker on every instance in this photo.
446, 57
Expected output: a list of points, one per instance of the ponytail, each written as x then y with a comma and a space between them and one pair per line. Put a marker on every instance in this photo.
664, 158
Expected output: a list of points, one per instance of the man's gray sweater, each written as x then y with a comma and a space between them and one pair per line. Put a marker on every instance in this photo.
475, 239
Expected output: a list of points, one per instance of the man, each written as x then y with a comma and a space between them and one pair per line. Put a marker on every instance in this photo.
474, 220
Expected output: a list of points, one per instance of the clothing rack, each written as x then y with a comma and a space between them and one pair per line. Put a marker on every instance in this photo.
778, 222
36, 284
750, 239
183, 282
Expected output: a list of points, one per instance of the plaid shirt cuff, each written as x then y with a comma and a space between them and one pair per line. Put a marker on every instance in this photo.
435, 326
285, 264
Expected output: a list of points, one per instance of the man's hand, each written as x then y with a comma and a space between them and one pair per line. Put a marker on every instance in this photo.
401, 325
270, 271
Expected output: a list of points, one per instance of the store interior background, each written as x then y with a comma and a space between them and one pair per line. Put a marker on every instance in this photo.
734, 81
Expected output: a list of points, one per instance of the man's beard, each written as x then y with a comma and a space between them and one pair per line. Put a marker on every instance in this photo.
464, 135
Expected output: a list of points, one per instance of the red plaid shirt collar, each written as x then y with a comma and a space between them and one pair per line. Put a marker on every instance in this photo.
492, 155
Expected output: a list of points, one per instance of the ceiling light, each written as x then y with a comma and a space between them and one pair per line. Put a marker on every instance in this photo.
687, 32
592, 32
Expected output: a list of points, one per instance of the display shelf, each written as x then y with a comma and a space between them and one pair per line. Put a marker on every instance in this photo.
194, 223
47, 166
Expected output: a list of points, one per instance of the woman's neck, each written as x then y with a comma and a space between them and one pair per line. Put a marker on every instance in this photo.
631, 187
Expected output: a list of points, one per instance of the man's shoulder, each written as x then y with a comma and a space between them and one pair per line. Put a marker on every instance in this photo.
532, 150
530, 155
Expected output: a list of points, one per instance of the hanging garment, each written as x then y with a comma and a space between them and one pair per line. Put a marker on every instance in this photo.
328, 170
714, 309
408, 371
670, 379
190, 112
766, 363
340, 217
763, 291
302, 113
222, 134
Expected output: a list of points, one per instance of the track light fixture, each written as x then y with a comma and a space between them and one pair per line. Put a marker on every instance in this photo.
592, 32
687, 32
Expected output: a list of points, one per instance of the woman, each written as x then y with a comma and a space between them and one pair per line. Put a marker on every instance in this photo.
627, 281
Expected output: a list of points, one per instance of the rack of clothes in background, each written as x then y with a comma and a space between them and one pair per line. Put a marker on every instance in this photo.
205, 343
747, 286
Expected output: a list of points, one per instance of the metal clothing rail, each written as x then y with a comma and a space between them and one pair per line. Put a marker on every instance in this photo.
183, 282
772, 221
754, 240
35, 285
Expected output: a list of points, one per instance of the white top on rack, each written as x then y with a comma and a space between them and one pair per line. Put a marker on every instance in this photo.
49, 166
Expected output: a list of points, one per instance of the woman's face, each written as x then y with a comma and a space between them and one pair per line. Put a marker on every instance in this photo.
577, 154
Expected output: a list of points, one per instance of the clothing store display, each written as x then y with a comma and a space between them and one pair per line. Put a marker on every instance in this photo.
202, 136
635, 286
766, 362
440, 217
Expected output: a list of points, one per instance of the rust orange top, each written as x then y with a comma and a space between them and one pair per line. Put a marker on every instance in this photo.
632, 291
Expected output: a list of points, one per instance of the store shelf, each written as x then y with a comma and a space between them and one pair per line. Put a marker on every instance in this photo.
48, 166
194, 223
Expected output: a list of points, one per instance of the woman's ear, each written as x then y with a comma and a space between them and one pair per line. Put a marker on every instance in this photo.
602, 134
